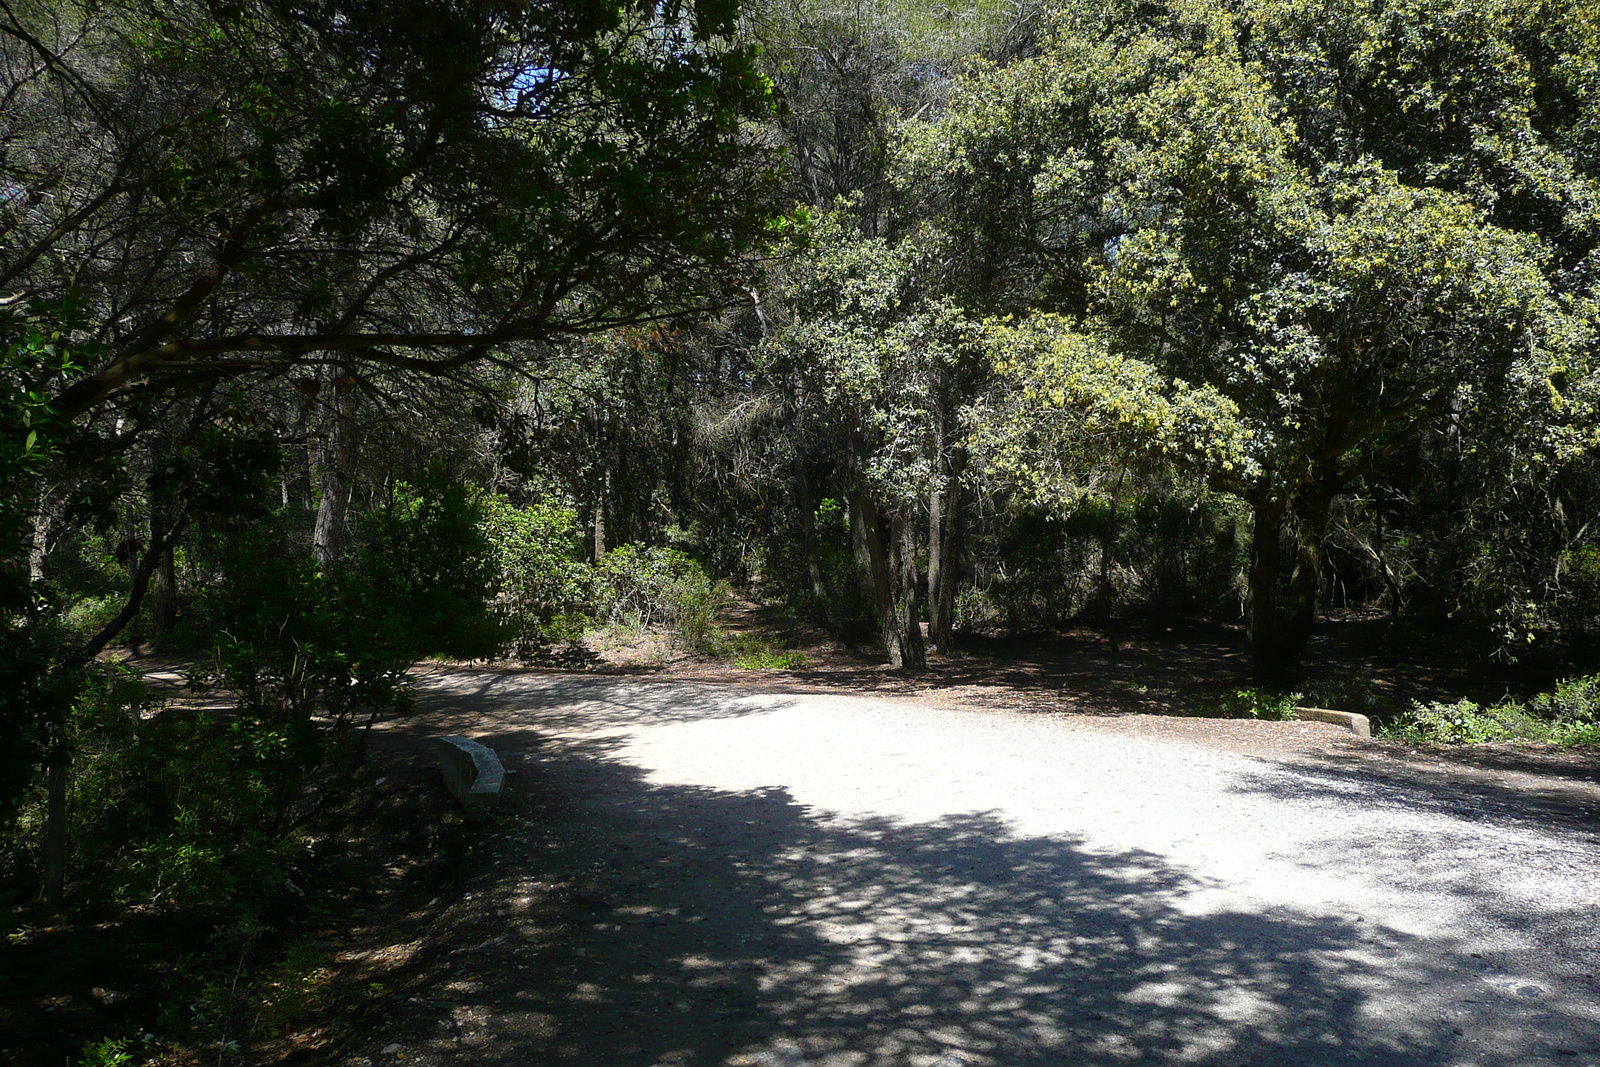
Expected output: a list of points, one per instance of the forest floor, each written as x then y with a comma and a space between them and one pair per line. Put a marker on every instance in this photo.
407, 901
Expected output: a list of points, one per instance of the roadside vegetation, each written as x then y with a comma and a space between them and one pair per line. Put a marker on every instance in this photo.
1569, 714
339, 337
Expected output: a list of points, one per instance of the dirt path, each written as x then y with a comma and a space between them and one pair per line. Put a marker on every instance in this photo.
705, 875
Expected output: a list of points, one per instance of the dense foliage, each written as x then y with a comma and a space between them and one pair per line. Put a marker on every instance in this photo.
337, 335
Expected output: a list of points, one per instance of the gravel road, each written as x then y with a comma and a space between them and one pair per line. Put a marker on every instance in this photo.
699, 875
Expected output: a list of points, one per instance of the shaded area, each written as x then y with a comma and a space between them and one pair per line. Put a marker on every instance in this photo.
49, 976
625, 922
1432, 781
1175, 666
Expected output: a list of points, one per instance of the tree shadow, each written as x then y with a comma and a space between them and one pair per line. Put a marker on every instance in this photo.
622, 922
576, 702
1438, 786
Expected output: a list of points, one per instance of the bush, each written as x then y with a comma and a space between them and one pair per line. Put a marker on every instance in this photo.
1466, 723
175, 810
751, 653
110, 1052
544, 585
1567, 715
424, 565
840, 601
1259, 704
1573, 701
312, 653
644, 587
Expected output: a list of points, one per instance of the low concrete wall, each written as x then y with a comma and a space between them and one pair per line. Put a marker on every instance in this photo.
472, 772
1359, 725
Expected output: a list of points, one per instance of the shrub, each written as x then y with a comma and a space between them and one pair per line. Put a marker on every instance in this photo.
175, 810
544, 585
771, 660
1569, 714
750, 653
1466, 723
424, 565
644, 587
1259, 704
1573, 700
109, 1052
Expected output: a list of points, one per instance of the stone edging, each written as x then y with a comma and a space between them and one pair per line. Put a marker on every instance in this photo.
472, 772
1359, 725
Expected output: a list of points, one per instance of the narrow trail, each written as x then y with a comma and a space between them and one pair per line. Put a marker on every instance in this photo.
699, 875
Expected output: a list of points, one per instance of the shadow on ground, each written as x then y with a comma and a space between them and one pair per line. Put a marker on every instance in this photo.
621, 922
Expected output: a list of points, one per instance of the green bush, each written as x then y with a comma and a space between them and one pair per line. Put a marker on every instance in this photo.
1466, 723
544, 585
1573, 700
110, 1052
1569, 714
1259, 704
174, 810
424, 565
751, 653
771, 660
645, 587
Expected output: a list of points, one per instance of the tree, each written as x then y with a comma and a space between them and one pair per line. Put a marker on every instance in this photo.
233, 188
212, 210
863, 355
1219, 189
850, 71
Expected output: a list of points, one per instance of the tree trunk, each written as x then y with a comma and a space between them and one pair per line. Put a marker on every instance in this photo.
805, 505
872, 557
1283, 608
1274, 659
44, 519
164, 582
1391, 584
943, 520
599, 543
1313, 507
908, 601
338, 470
57, 769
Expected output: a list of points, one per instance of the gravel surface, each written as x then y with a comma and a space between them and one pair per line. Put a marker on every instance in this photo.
700, 874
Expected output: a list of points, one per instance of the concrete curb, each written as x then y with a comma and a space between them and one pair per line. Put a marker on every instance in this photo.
1359, 725
472, 772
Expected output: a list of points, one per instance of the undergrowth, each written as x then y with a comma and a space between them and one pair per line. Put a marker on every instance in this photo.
751, 653
1253, 703
1567, 715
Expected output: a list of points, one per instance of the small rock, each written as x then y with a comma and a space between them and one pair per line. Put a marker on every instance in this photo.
390, 1050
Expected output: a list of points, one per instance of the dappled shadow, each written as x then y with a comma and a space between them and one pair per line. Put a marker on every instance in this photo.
1384, 783
480, 700
620, 921
1430, 781
1172, 666
1145, 670
1578, 763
